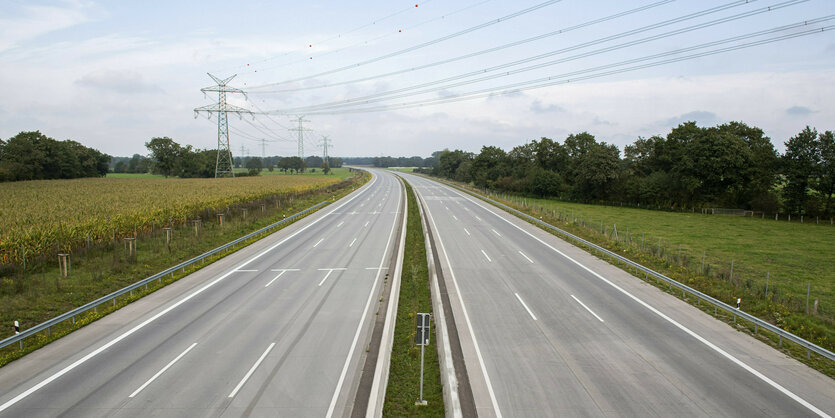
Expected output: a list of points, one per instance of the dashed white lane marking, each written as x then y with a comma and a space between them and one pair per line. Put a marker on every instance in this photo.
318, 242
468, 232
526, 306
587, 308
526, 257
159, 373
340, 224
251, 371
328, 274
352, 243
282, 271
496, 232
486, 256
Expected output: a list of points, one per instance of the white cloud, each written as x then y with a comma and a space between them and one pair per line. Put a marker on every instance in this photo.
35, 20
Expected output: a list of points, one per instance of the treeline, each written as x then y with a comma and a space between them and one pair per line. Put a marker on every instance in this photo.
731, 166
171, 159
386, 162
35, 156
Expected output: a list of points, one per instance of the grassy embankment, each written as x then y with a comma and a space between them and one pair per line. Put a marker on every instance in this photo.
415, 296
790, 256
39, 293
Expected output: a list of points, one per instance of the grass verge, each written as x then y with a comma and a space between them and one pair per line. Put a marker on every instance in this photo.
404, 374
41, 295
585, 221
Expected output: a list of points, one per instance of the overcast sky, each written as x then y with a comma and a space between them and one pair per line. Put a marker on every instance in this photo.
112, 75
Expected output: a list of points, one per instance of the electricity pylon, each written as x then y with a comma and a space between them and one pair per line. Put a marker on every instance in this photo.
224, 164
301, 130
325, 142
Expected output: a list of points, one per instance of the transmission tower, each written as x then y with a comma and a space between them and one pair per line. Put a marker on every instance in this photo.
223, 167
301, 129
325, 141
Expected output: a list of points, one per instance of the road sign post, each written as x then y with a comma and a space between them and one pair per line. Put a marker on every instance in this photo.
422, 339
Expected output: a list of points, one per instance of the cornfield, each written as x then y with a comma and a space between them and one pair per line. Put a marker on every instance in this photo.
37, 217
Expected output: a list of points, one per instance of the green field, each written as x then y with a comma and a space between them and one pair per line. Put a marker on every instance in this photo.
134, 176
340, 173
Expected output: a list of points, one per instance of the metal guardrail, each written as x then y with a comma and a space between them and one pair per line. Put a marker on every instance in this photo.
809, 346
47, 325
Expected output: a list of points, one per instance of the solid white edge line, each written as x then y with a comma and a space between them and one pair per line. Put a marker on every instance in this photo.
318, 242
526, 257
129, 332
493, 399
693, 334
251, 371
525, 305
487, 256
159, 373
587, 308
275, 278
342, 375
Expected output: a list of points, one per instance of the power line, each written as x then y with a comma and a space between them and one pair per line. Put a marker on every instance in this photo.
477, 53
416, 47
393, 94
386, 35
562, 79
337, 36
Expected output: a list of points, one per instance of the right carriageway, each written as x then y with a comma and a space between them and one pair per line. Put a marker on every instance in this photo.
547, 329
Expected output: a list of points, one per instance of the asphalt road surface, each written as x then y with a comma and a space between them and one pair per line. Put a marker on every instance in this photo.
276, 329
549, 330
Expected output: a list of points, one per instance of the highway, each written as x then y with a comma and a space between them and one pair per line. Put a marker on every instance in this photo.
279, 328
549, 330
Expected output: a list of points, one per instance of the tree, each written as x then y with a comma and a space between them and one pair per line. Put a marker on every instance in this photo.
490, 164
254, 165
35, 156
826, 172
325, 168
799, 166
165, 153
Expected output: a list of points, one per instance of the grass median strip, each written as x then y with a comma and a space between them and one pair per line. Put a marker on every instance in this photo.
404, 374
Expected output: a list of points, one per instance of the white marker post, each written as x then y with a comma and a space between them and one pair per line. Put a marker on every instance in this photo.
422, 339
738, 301
16, 328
